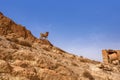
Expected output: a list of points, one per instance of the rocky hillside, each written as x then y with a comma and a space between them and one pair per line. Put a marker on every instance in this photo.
24, 57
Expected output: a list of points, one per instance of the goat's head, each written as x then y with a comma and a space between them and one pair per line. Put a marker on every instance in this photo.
47, 33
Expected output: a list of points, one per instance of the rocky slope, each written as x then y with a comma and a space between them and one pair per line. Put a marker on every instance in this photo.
24, 57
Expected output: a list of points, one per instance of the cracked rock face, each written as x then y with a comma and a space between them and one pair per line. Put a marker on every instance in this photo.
11, 29
24, 57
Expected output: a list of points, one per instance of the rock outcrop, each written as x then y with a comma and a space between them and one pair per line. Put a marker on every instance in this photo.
9, 28
24, 57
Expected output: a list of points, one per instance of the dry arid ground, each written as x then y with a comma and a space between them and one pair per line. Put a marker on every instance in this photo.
24, 57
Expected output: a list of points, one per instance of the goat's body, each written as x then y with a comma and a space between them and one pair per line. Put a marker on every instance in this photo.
44, 36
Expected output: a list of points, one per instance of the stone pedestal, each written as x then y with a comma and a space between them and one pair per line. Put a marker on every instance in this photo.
105, 56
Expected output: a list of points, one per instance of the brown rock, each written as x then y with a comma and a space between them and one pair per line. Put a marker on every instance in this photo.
7, 27
5, 67
29, 73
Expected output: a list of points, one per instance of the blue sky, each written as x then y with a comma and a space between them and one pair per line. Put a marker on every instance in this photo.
81, 27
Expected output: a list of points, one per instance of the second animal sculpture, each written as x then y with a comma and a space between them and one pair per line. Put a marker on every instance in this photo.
44, 35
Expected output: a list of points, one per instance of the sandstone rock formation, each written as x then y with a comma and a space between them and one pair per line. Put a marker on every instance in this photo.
24, 57
9, 28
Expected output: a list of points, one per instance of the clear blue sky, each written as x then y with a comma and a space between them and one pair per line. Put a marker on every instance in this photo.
81, 27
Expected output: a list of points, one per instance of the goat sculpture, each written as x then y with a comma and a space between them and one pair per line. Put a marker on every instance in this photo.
112, 57
44, 35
